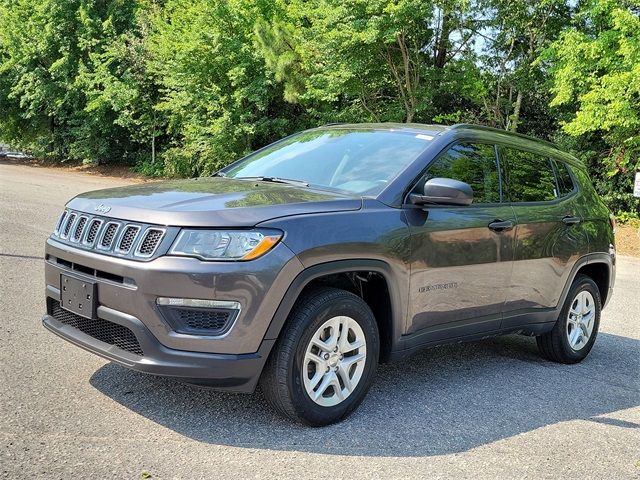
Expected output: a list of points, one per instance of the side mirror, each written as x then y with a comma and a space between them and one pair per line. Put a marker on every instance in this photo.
444, 191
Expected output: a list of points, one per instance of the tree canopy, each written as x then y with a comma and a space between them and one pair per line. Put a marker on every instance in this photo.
184, 87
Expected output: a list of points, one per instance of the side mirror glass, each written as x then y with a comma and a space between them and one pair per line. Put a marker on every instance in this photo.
444, 191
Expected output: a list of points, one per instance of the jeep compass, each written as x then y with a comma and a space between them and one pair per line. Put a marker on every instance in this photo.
302, 266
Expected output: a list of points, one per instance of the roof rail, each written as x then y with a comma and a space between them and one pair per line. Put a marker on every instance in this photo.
498, 130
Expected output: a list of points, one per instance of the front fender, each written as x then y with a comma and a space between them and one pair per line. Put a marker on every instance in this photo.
398, 310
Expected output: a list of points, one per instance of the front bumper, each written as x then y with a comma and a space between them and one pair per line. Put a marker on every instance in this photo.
224, 371
126, 295
133, 288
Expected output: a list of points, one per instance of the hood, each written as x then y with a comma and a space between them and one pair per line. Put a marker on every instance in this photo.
210, 202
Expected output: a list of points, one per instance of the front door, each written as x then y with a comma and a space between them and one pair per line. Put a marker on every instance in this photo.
461, 256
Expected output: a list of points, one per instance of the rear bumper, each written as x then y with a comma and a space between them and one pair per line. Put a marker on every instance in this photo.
232, 372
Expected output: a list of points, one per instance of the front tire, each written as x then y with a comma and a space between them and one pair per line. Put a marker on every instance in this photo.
325, 359
576, 329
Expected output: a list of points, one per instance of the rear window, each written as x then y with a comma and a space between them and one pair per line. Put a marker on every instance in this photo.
529, 176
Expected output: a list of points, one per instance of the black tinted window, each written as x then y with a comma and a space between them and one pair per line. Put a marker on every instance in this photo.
530, 176
565, 183
474, 164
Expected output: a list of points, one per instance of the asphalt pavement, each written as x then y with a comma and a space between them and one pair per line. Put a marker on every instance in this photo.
489, 409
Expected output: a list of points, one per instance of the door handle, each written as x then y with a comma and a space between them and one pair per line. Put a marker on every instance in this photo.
570, 220
501, 225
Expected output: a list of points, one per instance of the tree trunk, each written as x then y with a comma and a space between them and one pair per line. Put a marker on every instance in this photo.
443, 41
516, 112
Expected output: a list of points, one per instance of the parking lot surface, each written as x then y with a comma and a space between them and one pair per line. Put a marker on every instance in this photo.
478, 410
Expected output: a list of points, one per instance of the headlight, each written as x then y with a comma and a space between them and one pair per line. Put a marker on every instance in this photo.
225, 244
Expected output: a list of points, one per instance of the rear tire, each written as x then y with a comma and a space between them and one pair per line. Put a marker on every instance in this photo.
576, 329
324, 360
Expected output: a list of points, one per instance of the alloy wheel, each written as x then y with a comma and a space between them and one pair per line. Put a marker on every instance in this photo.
334, 361
580, 320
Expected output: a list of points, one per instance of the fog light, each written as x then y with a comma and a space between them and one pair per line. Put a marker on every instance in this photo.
193, 316
197, 303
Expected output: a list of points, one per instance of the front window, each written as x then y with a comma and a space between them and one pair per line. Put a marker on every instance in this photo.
356, 161
472, 163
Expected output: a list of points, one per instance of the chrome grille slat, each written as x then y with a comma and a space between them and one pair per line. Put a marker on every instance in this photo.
60, 222
79, 228
127, 239
68, 224
150, 242
110, 236
92, 231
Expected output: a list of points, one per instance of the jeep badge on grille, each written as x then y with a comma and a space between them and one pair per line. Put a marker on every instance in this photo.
102, 208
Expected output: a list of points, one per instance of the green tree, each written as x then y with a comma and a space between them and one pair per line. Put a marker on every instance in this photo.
596, 85
49, 52
376, 60
218, 99
516, 32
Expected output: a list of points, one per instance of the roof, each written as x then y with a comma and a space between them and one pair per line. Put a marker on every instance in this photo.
406, 127
470, 126
517, 139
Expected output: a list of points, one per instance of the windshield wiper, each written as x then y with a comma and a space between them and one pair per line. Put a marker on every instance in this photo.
288, 181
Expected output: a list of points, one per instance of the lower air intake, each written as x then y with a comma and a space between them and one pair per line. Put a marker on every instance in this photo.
199, 321
103, 330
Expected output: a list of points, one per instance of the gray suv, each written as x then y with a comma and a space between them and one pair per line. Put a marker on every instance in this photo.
303, 265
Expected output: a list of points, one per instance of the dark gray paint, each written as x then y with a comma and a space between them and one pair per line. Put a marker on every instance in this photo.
450, 276
212, 202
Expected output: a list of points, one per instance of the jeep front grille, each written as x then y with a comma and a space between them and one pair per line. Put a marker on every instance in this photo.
61, 222
110, 236
92, 234
71, 218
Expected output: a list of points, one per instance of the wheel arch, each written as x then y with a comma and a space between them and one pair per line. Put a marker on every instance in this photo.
388, 312
600, 273
600, 268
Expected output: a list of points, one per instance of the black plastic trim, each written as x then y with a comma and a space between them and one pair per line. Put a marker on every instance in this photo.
340, 266
239, 373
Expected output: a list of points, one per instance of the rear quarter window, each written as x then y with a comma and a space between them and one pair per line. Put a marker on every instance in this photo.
565, 182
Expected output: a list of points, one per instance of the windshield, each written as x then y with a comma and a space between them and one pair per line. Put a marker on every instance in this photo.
355, 161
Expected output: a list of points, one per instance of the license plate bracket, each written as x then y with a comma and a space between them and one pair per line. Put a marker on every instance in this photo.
78, 296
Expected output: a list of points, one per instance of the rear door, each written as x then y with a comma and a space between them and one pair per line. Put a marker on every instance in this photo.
549, 237
461, 255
